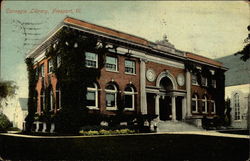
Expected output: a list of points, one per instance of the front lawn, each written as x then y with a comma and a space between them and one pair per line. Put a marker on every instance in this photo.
124, 147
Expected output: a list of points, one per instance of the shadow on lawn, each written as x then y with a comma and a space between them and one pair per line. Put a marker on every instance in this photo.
151, 147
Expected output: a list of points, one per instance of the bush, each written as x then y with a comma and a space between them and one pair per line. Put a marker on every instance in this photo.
4, 123
107, 132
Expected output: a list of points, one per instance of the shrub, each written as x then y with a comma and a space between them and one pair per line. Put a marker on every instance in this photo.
4, 123
107, 132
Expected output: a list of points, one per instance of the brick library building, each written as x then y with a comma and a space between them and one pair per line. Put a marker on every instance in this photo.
150, 77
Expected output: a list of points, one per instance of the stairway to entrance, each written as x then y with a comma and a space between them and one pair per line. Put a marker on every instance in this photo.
177, 126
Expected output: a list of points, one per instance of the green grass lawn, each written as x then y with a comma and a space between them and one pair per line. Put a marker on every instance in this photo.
153, 147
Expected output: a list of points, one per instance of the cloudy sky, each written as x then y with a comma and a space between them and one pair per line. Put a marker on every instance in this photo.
209, 28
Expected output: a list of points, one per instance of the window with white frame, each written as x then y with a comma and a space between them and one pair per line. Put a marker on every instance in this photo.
37, 72
58, 97
213, 83
236, 106
130, 66
194, 79
58, 61
111, 97
213, 106
204, 104
195, 103
92, 96
51, 100
203, 81
50, 66
129, 98
42, 70
42, 100
91, 60
111, 63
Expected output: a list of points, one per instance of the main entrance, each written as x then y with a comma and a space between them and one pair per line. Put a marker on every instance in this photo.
165, 102
170, 104
165, 108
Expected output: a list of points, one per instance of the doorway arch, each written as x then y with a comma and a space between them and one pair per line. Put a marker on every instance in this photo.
167, 84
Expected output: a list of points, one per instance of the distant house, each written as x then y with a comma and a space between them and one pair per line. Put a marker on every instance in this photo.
237, 89
20, 112
16, 110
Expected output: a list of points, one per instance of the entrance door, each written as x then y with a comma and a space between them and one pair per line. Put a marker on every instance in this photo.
165, 108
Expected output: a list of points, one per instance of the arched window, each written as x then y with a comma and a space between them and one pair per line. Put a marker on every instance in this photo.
129, 98
58, 96
236, 106
204, 104
111, 97
42, 100
92, 96
195, 103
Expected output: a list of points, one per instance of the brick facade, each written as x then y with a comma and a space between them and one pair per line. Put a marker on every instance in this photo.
149, 97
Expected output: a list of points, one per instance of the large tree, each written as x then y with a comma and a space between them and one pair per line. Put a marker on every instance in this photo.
245, 52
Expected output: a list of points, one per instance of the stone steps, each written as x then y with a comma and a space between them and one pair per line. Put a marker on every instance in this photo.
176, 126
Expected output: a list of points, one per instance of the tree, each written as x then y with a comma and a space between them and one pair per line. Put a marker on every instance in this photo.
245, 52
4, 123
7, 89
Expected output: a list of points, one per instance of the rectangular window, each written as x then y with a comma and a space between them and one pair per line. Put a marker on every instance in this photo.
194, 108
58, 61
42, 70
194, 80
203, 81
37, 71
91, 98
111, 63
91, 60
214, 83
213, 107
130, 66
50, 66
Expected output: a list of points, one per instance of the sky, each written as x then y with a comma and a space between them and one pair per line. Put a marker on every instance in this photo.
209, 28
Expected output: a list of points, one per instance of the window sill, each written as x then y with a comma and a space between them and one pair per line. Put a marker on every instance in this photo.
91, 67
130, 73
111, 108
195, 84
114, 71
92, 108
195, 112
129, 109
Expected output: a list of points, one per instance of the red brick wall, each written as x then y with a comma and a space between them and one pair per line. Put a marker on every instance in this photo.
118, 77
201, 91
122, 80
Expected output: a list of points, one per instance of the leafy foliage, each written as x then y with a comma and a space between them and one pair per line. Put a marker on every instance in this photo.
72, 75
245, 52
7, 89
32, 99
